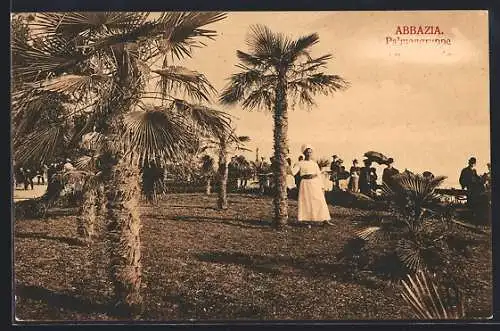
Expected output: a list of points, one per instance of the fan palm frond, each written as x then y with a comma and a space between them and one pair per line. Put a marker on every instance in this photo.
300, 47
183, 31
365, 233
40, 146
422, 294
410, 254
155, 135
208, 120
175, 79
73, 24
93, 141
251, 86
70, 84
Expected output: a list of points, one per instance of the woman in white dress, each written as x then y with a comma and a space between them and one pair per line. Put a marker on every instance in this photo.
312, 204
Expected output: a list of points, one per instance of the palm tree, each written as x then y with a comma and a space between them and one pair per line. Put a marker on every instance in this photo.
275, 70
224, 144
103, 64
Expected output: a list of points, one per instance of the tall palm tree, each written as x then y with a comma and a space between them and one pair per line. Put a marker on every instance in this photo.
276, 70
103, 64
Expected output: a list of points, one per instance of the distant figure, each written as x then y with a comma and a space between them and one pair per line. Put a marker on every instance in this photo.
487, 178
311, 203
40, 174
389, 173
365, 180
28, 176
262, 170
290, 179
297, 176
335, 170
373, 179
343, 179
354, 176
470, 180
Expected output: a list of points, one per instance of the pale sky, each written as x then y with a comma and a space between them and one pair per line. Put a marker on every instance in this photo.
427, 106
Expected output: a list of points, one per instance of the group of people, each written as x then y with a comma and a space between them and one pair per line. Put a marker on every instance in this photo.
357, 179
475, 185
25, 175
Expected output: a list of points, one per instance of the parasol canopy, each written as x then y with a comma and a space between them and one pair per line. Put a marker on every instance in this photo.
376, 157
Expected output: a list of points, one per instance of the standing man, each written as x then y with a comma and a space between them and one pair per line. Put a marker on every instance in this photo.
389, 173
472, 182
365, 179
335, 171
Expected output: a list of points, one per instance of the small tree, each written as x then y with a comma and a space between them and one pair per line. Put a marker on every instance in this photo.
208, 171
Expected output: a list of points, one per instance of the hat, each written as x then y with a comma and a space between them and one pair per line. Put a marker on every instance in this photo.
304, 147
334, 156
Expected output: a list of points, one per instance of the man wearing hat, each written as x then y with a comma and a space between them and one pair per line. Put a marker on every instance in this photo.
389, 173
472, 182
335, 170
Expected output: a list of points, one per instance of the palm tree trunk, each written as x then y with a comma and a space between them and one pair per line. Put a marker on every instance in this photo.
280, 116
88, 216
223, 174
123, 227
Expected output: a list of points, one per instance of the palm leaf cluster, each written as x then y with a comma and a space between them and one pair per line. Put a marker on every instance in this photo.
271, 54
97, 66
428, 302
418, 225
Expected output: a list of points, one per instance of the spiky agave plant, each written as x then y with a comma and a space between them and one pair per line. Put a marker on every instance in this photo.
414, 226
428, 302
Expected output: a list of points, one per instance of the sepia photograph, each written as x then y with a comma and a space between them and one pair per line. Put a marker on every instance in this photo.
250, 166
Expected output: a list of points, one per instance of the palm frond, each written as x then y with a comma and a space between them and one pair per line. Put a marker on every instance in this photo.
175, 79
300, 46
267, 45
207, 120
86, 163
421, 293
155, 135
318, 83
410, 254
47, 55
93, 141
365, 233
182, 31
70, 84
84, 24
40, 146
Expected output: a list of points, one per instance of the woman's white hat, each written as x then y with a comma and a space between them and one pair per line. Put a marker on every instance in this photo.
306, 146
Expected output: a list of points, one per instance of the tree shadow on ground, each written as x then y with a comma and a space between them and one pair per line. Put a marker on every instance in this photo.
243, 223
62, 300
194, 206
42, 235
342, 270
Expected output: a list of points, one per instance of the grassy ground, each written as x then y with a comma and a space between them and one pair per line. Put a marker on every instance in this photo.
201, 263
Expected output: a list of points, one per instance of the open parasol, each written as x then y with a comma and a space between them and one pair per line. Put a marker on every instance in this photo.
376, 157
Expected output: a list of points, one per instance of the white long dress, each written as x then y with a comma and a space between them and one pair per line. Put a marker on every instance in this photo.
312, 204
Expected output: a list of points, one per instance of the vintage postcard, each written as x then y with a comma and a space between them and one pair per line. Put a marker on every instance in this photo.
207, 166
